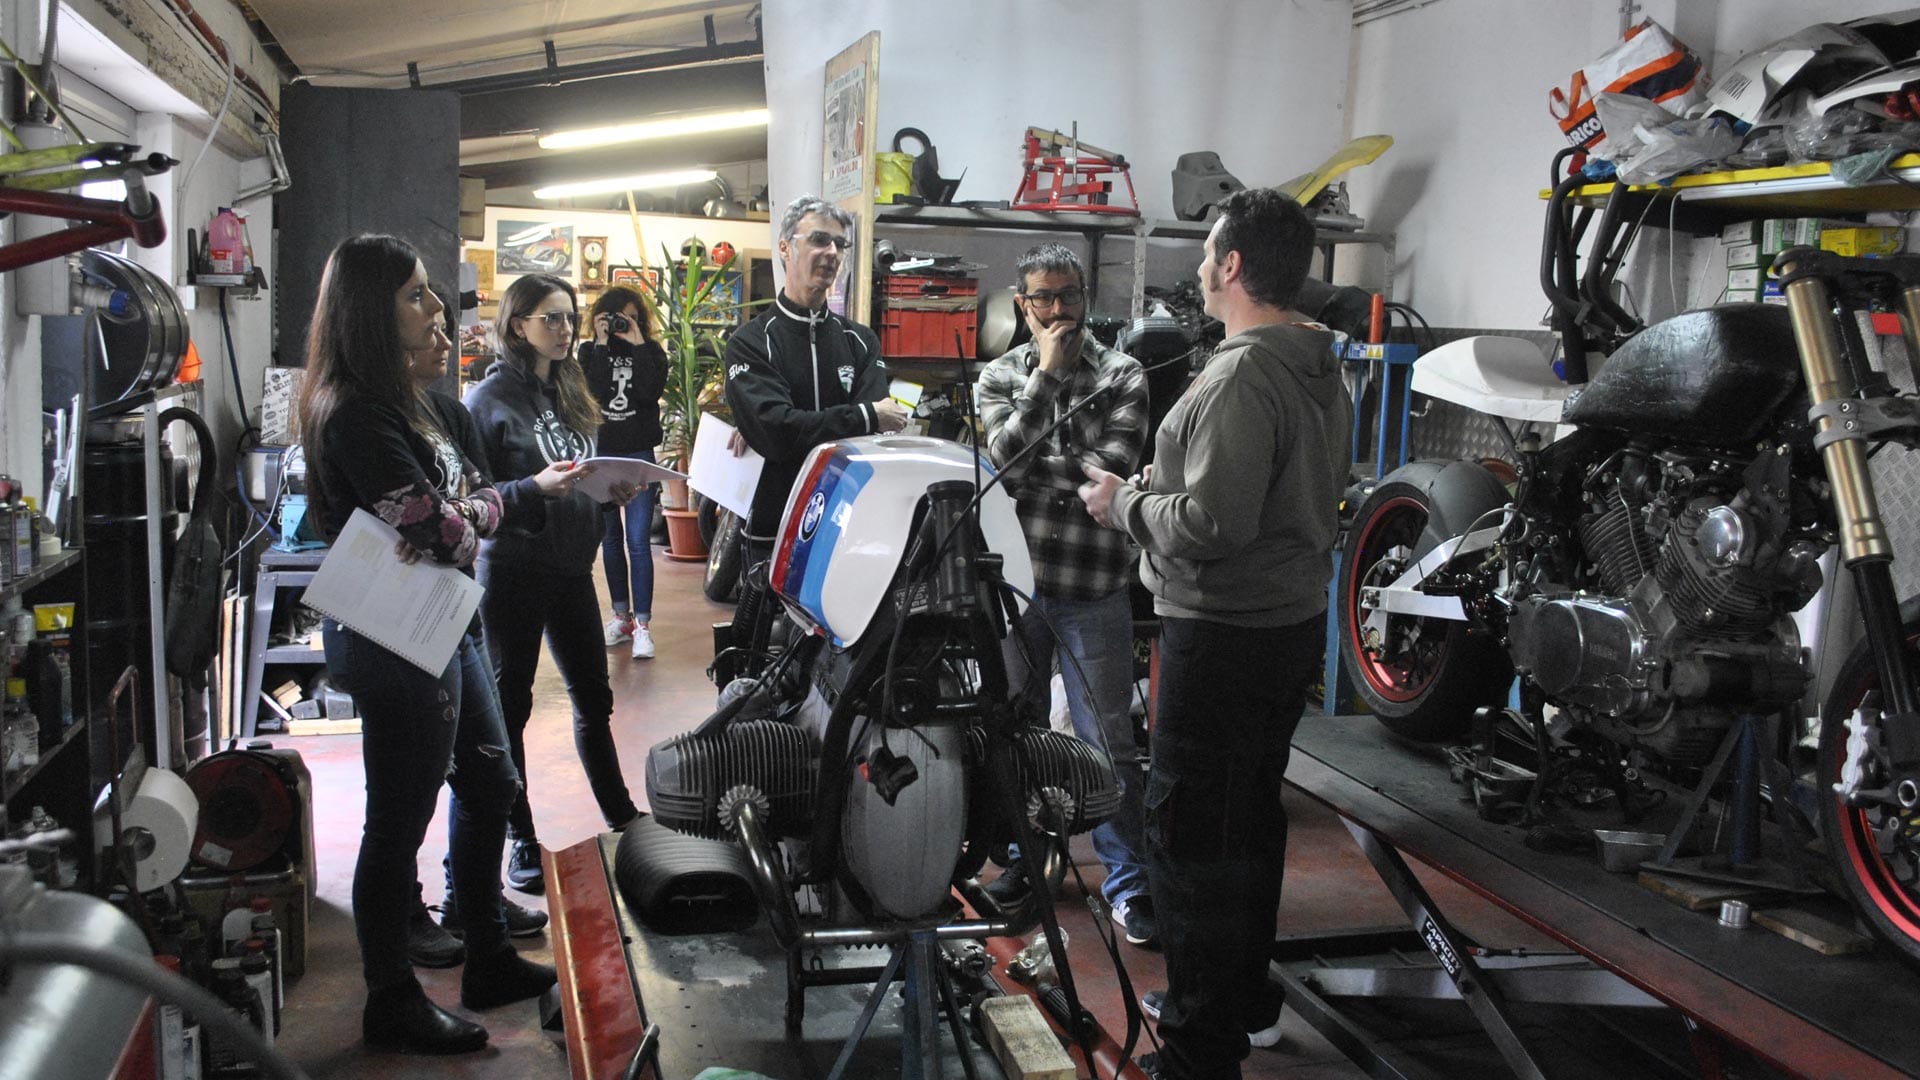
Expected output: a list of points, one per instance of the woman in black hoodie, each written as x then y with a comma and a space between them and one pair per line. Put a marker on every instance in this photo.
375, 442
534, 409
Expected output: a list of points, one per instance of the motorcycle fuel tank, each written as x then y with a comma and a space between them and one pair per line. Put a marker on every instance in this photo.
849, 518
1715, 377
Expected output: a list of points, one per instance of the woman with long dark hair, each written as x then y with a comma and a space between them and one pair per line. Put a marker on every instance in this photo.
626, 370
375, 442
534, 409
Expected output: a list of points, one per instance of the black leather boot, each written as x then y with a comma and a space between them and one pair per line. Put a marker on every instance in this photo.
402, 1018
502, 978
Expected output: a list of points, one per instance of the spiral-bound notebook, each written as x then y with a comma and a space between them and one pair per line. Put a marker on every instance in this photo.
417, 612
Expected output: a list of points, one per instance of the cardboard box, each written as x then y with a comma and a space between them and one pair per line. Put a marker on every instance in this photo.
473, 195
276, 405
1744, 256
211, 895
1747, 280
1858, 240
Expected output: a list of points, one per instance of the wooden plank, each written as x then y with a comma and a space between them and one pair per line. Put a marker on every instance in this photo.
346, 725
1823, 936
1025, 1046
1696, 895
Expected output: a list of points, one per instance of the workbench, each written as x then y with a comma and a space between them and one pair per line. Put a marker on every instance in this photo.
1747, 990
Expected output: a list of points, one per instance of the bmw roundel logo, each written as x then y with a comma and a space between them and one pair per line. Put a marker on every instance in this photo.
810, 517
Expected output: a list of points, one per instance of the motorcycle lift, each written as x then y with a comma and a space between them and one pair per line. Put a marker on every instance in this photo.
636, 1004
1743, 1002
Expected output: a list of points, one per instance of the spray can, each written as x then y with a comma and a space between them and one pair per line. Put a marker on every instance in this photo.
226, 1057
176, 1035
259, 972
266, 930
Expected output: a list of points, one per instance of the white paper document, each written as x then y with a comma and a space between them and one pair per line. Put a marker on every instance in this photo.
716, 473
609, 472
416, 612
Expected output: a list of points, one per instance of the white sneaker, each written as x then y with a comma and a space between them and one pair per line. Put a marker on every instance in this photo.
642, 644
616, 631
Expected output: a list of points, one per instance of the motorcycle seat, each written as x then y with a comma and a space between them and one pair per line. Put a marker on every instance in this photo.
1504, 376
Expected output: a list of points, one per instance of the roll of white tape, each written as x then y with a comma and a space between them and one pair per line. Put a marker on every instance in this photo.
157, 826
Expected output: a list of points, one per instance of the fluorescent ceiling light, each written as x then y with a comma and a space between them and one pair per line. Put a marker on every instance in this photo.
653, 129
625, 183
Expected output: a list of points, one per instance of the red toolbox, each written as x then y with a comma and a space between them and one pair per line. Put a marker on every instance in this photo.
919, 315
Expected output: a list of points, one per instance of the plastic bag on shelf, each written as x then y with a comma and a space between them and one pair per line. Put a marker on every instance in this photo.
1647, 144
1840, 133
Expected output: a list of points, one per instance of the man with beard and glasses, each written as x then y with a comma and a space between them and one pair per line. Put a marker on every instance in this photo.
1080, 610
1238, 520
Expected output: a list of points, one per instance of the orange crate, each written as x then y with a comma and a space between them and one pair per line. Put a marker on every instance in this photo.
908, 329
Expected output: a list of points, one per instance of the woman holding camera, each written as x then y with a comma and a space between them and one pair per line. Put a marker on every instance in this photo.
627, 369
375, 442
534, 409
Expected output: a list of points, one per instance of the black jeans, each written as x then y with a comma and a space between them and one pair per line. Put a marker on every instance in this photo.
520, 607
1229, 700
417, 731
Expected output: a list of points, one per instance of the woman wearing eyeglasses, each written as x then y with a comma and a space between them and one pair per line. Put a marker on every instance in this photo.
534, 409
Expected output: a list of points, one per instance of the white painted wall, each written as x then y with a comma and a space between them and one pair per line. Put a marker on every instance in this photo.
1260, 81
1461, 86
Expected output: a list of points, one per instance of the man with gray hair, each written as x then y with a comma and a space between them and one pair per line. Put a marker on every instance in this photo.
1080, 610
799, 375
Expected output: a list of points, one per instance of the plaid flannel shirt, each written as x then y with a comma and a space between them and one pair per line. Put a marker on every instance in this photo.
1073, 558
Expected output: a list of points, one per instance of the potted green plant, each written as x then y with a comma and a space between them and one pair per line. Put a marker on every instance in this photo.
691, 310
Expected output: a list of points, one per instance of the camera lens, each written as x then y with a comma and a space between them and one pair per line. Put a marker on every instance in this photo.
618, 324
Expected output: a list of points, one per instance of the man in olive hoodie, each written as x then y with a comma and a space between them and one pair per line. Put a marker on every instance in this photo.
1238, 522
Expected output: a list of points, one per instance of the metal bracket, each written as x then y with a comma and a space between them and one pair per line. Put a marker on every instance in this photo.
1896, 418
1482, 995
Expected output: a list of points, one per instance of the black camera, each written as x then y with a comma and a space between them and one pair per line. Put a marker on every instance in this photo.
618, 324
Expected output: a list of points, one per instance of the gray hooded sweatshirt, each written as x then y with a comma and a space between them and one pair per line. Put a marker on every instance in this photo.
1249, 465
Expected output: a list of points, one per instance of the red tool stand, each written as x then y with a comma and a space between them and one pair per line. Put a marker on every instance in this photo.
1079, 180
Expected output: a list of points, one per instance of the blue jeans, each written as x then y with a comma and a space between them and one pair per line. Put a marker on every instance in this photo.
1228, 702
521, 606
1095, 638
417, 731
625, 546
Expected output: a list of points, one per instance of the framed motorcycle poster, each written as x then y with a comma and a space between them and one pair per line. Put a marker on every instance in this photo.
533, 247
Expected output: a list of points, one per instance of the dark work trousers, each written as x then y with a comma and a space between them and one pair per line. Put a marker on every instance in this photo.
1228, 702
417, 732
521, 606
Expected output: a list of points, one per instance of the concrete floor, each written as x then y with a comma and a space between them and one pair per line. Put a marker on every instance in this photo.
1328, 885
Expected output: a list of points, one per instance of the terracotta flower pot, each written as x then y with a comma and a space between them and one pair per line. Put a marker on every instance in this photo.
683, 536
674, 494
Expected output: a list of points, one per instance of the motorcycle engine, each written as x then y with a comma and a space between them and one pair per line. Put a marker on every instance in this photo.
1683, 622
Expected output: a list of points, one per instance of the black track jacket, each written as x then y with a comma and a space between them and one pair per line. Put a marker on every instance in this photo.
795, 379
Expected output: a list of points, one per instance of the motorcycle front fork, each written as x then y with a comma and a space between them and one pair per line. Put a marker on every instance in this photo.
1864, 544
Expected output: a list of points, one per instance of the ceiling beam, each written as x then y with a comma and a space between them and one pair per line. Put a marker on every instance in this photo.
554, 75
661, 155
613, 100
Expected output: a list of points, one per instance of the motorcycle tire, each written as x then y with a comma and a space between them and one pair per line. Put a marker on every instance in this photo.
708, 519
1438, 671
1882, 876
725, 554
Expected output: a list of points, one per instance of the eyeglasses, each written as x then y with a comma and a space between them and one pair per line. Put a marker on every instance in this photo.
556, 320
820, 238
1043, 299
